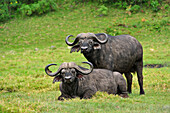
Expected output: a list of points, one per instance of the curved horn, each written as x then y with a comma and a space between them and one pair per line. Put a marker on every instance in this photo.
69, 43
48, 72
101, 41
83, 70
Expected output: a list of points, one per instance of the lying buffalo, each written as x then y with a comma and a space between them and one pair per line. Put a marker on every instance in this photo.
121, 53
76, 84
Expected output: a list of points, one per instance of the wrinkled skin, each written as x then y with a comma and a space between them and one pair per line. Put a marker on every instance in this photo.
121, 53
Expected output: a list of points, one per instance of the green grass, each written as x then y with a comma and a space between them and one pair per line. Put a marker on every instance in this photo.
47, 102
26, 47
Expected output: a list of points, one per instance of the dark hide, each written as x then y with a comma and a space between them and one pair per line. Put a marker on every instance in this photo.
98, 80
121, 53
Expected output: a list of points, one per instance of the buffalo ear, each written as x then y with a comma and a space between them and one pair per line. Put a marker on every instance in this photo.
79, 76
75, 48
57, 79
97, 45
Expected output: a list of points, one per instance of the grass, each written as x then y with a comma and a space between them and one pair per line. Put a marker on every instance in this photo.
27, 45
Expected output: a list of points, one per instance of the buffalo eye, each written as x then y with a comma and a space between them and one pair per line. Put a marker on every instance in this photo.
90, 42
80, 42
63, 72
73, 71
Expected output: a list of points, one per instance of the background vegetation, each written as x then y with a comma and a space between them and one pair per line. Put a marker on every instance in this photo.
31, 40
9, 8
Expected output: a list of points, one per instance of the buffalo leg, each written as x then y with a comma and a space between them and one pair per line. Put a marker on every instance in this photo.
129, 81
122, 90
140, 76
64, 96
88, 94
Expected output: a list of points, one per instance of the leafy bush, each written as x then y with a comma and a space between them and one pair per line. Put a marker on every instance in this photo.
155, 5
103, 10
166, 6
38, 8
135, 8
26, 9
135, 5
28, 1
4, 15
6, 9
121, 5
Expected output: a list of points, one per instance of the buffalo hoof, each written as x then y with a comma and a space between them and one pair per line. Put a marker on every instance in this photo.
61, 98
142, 93
124, 95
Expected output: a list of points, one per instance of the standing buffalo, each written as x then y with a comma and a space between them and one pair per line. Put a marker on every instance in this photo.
74, 83
121, 53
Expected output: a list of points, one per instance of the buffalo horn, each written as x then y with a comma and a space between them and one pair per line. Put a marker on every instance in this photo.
101, 41
85, 71
69, 43
48, 72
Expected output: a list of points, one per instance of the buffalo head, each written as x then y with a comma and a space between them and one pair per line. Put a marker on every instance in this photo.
86, 42
67, 72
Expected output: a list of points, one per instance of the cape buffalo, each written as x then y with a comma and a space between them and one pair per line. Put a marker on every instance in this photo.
121, 53
74, 83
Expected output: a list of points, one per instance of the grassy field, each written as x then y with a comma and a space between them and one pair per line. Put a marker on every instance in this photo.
27, 45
